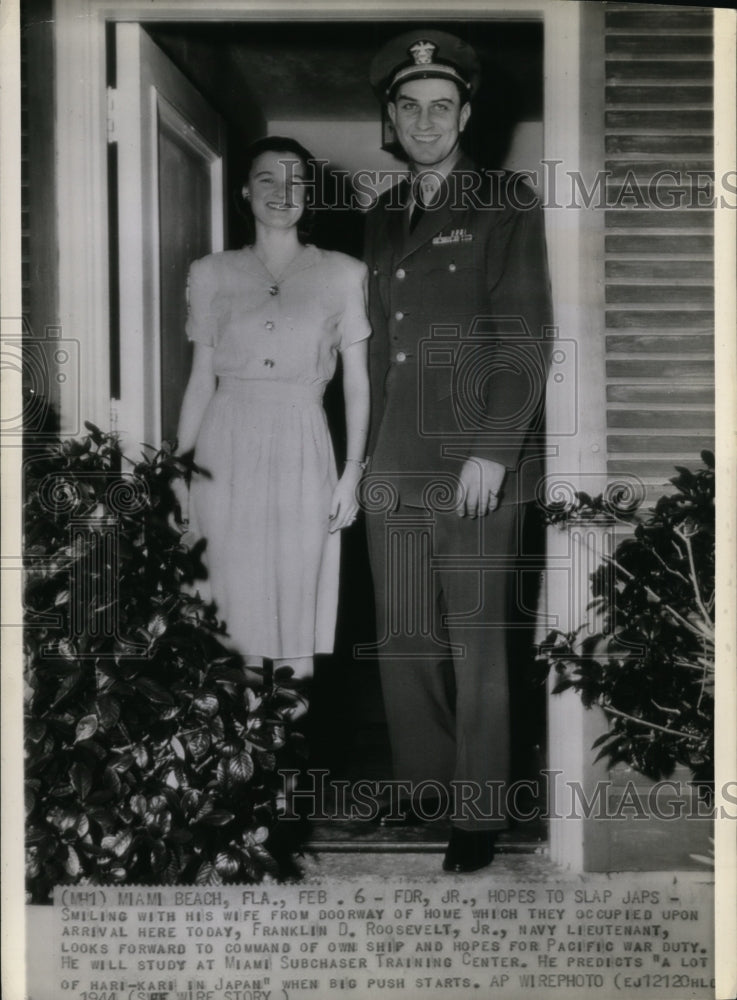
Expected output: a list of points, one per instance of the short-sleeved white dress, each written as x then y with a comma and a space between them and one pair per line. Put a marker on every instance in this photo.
263, 500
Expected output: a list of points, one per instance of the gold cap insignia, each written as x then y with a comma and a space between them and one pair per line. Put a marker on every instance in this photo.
422, 53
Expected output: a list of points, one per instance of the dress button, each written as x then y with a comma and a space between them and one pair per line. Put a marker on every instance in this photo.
269, 324
401, 273
399, 316
273, 289
451, 267
401, 357
376, 270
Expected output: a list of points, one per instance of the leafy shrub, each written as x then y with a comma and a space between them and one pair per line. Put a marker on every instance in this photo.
647, 658
151, 753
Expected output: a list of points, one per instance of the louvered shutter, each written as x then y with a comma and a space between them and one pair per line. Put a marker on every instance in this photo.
659, 262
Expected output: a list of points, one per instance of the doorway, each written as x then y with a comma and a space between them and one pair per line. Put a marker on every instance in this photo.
309, 81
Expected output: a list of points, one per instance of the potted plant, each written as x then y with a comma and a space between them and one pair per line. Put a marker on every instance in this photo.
151, 753
646, 654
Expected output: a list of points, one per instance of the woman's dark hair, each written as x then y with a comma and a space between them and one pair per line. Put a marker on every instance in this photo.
279, 144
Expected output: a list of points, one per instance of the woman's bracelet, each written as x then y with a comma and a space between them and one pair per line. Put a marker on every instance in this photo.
357, 461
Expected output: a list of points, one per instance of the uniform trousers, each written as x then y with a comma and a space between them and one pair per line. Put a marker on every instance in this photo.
443, 653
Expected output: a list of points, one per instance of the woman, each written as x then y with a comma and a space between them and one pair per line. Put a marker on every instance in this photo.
267, 323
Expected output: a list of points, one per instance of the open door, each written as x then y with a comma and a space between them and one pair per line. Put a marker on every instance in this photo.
169, 211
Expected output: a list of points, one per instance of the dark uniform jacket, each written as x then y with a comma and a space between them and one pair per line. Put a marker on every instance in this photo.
460, 310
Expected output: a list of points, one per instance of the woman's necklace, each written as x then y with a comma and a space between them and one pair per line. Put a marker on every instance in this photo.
277, 274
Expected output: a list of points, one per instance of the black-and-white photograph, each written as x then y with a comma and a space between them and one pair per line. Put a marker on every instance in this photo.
368, 378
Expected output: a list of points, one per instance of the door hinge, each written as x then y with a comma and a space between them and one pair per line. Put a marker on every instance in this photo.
112, 117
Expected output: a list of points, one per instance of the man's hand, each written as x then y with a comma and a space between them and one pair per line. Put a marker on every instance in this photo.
479, 488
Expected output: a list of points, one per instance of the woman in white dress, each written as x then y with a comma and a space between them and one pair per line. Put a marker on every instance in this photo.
268, 322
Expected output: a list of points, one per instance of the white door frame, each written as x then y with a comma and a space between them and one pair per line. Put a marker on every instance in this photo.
146, 80
570, 28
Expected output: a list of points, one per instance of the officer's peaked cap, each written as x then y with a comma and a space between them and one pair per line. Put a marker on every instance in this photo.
420, 54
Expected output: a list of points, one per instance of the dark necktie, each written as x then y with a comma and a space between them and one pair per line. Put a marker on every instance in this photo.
424, 197
417, 212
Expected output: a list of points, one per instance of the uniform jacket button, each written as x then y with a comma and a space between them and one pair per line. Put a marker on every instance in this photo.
401, 273
269, 324
401, 357
399, 315
451, 267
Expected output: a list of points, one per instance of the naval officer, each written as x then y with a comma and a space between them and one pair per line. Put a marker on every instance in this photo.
460, 308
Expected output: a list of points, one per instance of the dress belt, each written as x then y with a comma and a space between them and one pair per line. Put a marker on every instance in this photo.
273, 389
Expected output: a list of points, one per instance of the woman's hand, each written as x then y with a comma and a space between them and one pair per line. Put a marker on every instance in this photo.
344, 505
180, 489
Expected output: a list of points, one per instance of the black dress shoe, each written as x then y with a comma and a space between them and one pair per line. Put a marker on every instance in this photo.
404, 814
469, 850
